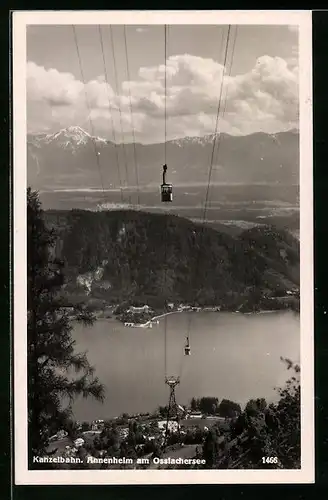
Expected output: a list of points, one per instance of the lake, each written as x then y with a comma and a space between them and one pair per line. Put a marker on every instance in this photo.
233, 356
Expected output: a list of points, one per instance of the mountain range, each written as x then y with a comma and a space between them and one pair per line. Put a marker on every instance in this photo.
72, 158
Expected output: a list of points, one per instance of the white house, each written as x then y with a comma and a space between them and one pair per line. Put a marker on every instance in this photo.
123, 432
61, 434
78, 442
140, 309
172, 425
195, 414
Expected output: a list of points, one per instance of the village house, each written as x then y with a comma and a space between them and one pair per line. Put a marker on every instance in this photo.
183, 307
195, 414
172, 425
123, 432
97, 425
78, 442
61, 434
141, 309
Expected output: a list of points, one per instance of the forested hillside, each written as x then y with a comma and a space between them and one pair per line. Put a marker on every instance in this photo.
120, 255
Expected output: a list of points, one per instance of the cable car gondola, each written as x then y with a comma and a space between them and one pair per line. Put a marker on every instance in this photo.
187, 348
166, 189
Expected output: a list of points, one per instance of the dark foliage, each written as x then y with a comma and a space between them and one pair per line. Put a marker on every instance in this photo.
56, 373
228, 409
207, 405
261, 431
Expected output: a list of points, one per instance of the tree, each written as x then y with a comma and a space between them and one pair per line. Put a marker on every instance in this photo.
228, 408
131, 440
71, 428
158, 452
97, 443
211, 449
112, 438
162, 410
193, 404
51, 350
208, 405
287, 423
255, 405
85, 426
263, 430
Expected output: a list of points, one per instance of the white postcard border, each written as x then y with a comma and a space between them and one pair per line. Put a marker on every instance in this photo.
128, 477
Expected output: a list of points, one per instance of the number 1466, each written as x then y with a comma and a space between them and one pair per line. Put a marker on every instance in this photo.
269, 460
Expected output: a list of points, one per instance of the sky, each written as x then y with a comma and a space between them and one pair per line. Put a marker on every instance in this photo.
80, 76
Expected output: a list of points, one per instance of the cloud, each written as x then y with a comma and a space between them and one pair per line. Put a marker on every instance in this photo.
52, 86
263, 99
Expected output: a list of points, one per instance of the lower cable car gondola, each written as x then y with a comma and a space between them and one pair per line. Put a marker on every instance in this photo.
187, 348
166, 189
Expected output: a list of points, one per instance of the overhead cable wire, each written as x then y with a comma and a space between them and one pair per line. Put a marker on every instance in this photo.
165, 92
209, 176
131, 113
165, 234
224, 54
216, 127
123, 145
227, 87
89, 110
213, 151
111, 113
119, 109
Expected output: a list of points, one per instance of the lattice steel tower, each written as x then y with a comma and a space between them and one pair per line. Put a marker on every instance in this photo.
173, 410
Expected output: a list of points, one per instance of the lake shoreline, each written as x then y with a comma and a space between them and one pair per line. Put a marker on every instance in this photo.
154, 319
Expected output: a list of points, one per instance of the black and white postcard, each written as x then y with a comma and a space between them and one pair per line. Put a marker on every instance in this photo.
163, 247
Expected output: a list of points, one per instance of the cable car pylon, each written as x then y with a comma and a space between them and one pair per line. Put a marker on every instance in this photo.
173, 409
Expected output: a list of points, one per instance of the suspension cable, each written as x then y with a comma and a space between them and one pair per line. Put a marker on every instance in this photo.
165, 92
224, 54
165, 218
89, 110
229, 73
111, 113
216, 128
212, 155
119, 110
131, 113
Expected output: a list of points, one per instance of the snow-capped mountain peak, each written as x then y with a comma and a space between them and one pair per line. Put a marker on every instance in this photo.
70, 138
202, 140
75, 134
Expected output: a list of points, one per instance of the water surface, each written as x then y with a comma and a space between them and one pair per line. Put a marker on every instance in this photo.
233, 356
